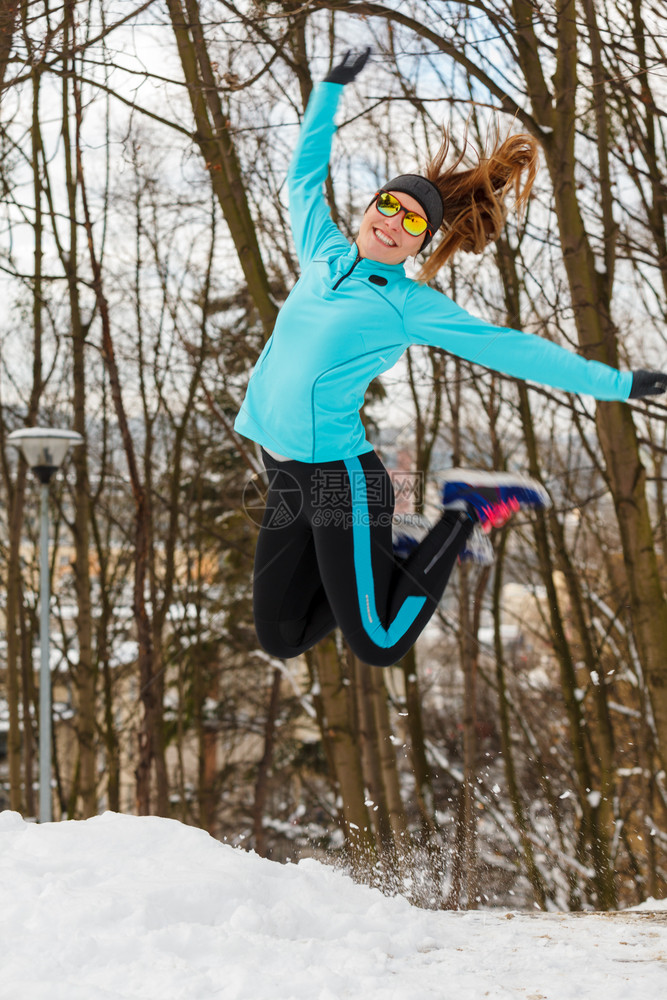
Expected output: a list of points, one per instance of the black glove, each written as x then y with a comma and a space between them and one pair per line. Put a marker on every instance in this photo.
647, 384
352, 64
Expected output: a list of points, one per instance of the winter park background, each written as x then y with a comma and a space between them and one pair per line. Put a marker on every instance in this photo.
514, 763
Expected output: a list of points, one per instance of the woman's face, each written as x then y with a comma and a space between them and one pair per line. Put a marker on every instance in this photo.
384, 239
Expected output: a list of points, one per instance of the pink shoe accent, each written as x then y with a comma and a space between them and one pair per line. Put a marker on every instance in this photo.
498, 514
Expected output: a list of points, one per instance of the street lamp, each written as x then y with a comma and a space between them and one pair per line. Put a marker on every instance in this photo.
44, 449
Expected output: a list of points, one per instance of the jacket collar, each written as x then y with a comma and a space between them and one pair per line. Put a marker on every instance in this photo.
376, 266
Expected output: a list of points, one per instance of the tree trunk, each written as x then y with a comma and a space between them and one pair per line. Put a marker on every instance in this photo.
370, 756
387, 753
14, 740
591, 292
597, 819
152, 711
656, 209
29, 702
206, 686
415, 727
16, 492
111, 744
8, 20
339, 736
467, 835
213, 136
532, 871
265, 765
84, 674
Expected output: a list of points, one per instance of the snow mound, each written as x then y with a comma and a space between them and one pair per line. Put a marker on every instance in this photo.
652, 905
147, 908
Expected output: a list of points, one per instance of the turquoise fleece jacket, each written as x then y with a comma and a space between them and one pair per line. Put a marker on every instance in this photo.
348, 319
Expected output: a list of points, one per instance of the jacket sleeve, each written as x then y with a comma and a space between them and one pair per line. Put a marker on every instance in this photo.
432, 318
312, 225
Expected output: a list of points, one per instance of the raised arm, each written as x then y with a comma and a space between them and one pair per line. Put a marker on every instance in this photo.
312, 225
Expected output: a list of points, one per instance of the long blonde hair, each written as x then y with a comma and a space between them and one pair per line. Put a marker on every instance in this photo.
474, 198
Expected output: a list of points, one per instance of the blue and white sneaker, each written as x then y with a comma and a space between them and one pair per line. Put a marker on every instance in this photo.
407, 531
478, 548
493, 496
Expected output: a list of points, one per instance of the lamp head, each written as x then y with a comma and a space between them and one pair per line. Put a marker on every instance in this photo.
44, 448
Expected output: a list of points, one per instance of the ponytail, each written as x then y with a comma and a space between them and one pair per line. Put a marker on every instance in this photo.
474, 199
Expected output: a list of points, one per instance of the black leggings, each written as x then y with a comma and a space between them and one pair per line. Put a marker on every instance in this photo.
324, 558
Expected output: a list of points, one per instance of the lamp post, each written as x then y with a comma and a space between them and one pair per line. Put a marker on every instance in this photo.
44, 449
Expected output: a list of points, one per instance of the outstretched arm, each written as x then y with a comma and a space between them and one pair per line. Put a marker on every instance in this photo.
432, 318
312, 225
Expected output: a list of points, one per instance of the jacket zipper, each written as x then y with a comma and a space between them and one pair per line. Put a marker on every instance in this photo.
348, 273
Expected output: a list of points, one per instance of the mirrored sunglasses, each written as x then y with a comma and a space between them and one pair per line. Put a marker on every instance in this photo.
414, 225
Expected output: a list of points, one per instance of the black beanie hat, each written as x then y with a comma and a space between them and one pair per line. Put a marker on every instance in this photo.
428, 196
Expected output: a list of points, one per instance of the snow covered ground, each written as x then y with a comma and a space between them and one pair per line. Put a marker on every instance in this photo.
126, 907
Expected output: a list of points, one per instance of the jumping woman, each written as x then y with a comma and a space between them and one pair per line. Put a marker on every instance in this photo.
324, 554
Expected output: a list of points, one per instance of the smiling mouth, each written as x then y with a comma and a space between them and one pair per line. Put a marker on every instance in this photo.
382, 238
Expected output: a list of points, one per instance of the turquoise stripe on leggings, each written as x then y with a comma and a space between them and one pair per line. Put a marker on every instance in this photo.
364, 569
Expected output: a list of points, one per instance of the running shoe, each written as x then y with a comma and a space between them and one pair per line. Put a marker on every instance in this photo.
493, 496
478, 548
407, 531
